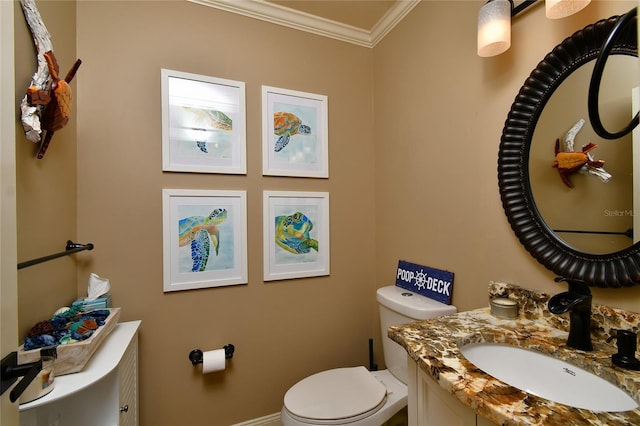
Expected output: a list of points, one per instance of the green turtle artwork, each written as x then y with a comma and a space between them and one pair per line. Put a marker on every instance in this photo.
285, 125
210, 119
292, 233
201, 232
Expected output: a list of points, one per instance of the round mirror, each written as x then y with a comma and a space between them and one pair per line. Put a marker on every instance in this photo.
595, 213
579, 226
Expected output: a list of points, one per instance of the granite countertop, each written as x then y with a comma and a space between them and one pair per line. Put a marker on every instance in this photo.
434, 343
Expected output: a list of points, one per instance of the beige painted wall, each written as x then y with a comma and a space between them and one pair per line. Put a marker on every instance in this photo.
439, 114
46, 189
425, 190
283, 330
8, 225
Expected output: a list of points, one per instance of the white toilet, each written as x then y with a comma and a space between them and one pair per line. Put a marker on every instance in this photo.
354, 395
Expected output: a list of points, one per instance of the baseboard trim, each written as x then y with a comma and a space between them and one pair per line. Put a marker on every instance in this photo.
270, 420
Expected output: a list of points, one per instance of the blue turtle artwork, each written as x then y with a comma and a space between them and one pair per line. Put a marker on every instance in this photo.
292, 233
201, 232
285, 125
210, 119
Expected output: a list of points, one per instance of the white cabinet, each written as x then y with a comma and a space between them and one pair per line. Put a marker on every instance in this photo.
105, 392
128, 386
430, 404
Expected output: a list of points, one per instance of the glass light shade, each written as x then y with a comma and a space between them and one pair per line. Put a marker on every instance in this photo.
556, 9
494, 28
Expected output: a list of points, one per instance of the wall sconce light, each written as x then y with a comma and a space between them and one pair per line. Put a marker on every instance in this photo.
556, 9
494, 28
494, 21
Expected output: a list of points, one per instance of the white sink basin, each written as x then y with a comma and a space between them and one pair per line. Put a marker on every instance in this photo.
548, 377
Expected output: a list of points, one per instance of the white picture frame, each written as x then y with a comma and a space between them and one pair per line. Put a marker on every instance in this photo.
295, 133
302, 249
203, 124
200, 253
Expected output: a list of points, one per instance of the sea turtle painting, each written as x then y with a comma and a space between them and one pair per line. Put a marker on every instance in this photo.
209, 119
285, 125
201, 232
292, 233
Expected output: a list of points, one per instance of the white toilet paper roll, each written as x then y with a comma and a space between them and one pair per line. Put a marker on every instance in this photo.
213, 361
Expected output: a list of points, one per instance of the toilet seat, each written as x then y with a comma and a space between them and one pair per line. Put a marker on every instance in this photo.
337, 396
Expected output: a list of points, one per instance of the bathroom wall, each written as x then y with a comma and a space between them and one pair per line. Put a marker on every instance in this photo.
45, 189
425, 190
439, 114
284, 330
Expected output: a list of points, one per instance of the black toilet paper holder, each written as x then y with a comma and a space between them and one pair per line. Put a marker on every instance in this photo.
196, 355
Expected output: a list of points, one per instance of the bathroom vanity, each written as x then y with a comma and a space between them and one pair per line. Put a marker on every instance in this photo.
434, 405
105, 392
446, 388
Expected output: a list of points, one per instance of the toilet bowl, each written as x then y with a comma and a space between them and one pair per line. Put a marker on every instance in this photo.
351, 395
354, 395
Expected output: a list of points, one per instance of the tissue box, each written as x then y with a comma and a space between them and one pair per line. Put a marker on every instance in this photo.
91, 305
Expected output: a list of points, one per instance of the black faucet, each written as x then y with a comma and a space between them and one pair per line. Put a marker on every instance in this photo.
578, 302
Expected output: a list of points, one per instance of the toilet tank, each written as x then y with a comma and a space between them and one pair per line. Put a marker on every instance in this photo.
400, 306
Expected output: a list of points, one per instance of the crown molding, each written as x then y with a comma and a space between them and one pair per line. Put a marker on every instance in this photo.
391, 19
276, 14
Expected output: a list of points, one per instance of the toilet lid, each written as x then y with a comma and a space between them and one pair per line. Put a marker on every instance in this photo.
335, 394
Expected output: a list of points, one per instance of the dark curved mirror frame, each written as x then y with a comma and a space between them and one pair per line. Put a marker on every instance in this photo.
619, 269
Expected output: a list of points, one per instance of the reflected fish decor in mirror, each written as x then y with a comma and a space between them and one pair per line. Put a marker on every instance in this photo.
569, 161
519, 168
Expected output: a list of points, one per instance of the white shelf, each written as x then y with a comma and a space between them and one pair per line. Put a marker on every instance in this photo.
103, 362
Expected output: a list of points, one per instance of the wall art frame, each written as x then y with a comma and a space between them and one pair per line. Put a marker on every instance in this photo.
295, 133
203, 124
204, 238
296, 234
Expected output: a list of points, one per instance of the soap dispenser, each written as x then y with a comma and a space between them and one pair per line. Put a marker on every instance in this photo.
627, 342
